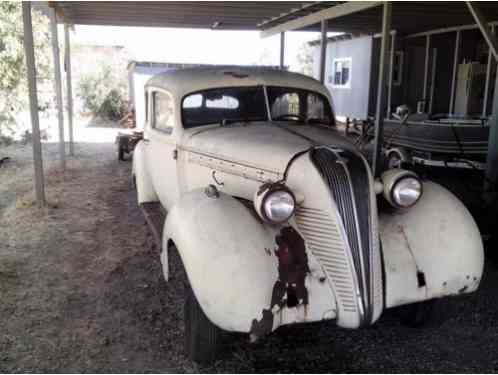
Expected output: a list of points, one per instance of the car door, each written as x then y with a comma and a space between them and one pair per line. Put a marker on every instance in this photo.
160, 147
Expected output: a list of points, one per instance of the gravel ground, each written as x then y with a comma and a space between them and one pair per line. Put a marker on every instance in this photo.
81, 290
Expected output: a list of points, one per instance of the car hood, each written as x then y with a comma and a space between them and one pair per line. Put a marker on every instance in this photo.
267, 146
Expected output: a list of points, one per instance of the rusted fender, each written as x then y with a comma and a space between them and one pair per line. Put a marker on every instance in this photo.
431, 250
247, 276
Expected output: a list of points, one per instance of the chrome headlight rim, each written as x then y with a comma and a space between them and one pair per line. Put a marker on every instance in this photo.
408, 176
271, 190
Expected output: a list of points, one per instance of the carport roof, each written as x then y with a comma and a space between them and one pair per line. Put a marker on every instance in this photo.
272, 17
364, 17
237, 15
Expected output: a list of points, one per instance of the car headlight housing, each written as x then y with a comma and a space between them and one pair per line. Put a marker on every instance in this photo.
402, 188
275, 203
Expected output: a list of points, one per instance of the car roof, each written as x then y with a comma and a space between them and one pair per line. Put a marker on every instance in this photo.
181, 82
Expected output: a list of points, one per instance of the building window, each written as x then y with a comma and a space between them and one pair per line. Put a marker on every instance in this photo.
397, 68
341, 73
162, 112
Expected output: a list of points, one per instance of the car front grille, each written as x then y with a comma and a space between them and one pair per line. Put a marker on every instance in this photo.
325, 242
345, 246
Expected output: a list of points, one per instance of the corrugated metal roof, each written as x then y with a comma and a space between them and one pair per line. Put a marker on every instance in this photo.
237, 15
408, 17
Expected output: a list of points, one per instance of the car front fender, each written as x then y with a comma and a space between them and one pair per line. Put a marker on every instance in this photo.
431, 250
226, 253
145, 190
230, 257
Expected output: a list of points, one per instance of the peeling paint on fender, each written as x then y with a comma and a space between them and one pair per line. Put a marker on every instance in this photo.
290, 289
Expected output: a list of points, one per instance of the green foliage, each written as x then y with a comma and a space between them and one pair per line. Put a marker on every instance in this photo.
103, 93
13, 77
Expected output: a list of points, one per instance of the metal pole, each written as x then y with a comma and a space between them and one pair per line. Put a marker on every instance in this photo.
58, 86
426, 68
323, 51
492, 157
433, 78
33, 103
391, 67
69, 88
282, 49
379, 121
488, 76
455, 71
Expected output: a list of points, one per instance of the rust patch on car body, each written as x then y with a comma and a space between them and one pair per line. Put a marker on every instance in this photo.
290, 289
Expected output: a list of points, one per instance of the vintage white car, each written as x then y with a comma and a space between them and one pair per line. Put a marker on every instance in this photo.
277, 217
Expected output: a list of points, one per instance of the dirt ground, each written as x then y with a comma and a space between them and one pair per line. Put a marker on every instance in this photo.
81, 290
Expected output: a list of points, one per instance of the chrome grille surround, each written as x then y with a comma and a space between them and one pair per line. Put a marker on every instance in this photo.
346, 243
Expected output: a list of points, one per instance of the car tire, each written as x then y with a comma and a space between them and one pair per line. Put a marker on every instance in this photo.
431, 313
202, 337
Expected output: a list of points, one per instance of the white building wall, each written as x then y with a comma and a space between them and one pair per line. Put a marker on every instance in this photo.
352, 101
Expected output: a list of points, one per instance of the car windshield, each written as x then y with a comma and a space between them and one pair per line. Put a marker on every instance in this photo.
292, 104
224, 105
233, 104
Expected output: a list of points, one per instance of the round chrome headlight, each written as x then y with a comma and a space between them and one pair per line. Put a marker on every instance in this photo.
402, 188
406, 191
275, 203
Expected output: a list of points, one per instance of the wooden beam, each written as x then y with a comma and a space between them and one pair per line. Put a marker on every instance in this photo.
58, 87
69, 87
335, 11
379, 115
33, 103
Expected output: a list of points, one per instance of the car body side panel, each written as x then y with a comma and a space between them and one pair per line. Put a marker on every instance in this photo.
438, 239
229, 257
145, 190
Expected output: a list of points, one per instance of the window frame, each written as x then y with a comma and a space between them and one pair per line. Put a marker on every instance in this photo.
347, 85
168, 130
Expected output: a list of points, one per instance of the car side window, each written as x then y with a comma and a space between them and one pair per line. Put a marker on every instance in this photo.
162, 108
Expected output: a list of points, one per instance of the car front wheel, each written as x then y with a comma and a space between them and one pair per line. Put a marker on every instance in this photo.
201, 336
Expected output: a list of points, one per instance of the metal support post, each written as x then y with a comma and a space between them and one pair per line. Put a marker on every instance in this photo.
69, 92
455, 72
379, 121
58, 87
323, 51
282, 50
33, 103
426, 69
390, 84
